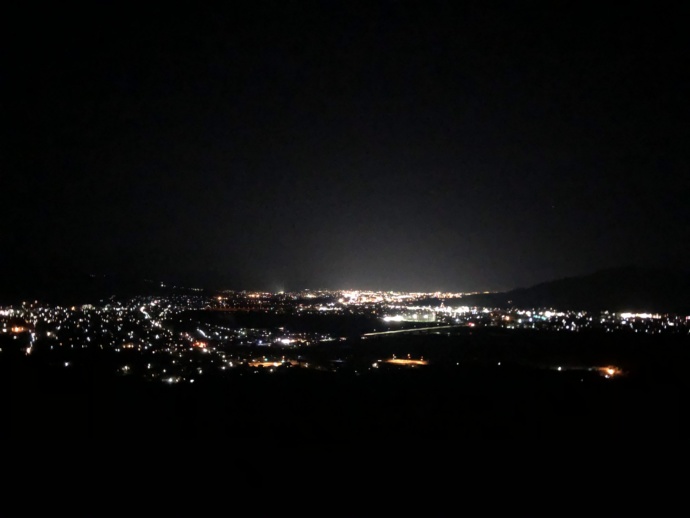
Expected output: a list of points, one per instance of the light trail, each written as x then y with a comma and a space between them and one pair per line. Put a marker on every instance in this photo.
412, 330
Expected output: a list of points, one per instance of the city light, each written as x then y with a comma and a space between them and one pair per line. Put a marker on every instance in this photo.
167, 333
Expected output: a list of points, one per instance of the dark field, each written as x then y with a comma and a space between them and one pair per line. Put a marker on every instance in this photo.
460, 436
462, 392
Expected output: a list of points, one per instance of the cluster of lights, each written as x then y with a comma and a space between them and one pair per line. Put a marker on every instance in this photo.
147, 326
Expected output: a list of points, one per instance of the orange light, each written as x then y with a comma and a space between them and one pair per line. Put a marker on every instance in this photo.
264, 364
399, 361
610, 371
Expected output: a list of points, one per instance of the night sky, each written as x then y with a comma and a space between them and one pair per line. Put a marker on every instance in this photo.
417, 146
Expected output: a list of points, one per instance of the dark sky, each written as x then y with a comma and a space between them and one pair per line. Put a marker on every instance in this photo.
396, 145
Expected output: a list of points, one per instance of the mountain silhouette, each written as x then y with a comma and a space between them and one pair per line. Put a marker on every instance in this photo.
629, 288
67, 287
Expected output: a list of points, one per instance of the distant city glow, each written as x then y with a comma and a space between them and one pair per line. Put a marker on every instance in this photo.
639, 315
167, 333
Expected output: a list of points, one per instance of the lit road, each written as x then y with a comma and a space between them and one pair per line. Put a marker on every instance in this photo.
412, 330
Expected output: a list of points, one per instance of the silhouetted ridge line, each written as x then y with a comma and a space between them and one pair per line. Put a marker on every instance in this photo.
628, 288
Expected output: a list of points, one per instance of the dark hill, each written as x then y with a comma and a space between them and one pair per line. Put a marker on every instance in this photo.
617, 289
64, 287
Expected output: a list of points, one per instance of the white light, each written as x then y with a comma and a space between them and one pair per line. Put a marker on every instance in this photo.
559, 368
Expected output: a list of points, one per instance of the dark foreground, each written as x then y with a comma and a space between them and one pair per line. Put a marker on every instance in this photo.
418, 405
471, 440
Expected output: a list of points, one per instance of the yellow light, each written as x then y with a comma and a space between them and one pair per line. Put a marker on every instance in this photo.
610, 371
399, 361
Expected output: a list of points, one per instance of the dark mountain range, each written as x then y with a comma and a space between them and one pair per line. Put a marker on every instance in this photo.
75, 288
628, 288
